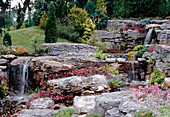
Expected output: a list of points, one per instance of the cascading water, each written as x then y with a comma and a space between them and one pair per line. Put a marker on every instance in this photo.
18, 79
24, 78
133, 70
148, 37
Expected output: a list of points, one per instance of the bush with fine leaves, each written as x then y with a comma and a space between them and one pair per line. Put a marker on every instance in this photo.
64, 113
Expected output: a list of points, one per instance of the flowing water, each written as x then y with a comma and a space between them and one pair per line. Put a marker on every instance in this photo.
148, 37
133, 70
18, 84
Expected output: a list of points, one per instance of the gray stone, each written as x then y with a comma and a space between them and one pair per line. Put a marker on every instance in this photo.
147, 55
121, 60
84, 104
36, 113
41, 103
164, 52
114, 112
110, 60
131, 107
9, 57
79, 83
3, 61
3, 67
141, 59
67, 47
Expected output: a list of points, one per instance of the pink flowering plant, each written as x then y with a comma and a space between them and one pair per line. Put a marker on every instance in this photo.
160, 92
67, 99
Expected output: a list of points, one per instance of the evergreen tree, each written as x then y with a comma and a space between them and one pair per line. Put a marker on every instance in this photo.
7, 40
101, 5
62, 10
19, 17
51, 25
90, 7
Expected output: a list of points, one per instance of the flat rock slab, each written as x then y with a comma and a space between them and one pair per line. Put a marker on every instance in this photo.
41, 103
36, 113
3, 61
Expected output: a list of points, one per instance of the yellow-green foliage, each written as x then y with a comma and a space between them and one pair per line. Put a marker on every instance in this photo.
89, 28
78, 15
64, 113
101, 4
12, 28
113, 71
23, 25
100, 54
43, 20
81, 17
138, 47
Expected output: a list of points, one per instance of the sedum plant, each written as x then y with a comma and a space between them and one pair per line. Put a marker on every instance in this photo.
100, 54
138, 47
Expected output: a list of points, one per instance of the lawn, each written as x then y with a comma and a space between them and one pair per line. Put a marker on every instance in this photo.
22, 37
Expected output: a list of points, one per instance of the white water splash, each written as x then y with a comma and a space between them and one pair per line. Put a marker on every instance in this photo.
148, 37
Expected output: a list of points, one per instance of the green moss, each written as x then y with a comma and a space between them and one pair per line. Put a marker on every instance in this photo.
165, 110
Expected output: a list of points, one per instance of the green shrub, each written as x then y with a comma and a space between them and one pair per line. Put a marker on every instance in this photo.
64, 113
122, 46
23, 25
113, 71
156, 77
3, 91
100, 19
32, 91
138, 48
93, 115
35, 41
51, 25
165, 110
43, 20
7, 40
101, 5
100, 54
141, 52
144, 113
96, 41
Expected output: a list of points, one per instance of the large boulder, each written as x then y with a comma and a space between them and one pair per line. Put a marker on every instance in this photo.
77, 84
116, 104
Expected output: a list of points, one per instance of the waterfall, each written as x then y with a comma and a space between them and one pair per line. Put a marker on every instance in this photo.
148, 37
133, 70
24, 77
18, 79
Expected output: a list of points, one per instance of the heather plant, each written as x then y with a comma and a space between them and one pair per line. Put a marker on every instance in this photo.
144, 113
93, 115
165, 110
64, 113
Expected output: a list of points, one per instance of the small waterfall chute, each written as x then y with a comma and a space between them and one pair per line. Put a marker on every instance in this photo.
148, 37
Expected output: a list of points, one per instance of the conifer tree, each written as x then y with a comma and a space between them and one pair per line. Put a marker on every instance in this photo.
51, 25
62, 10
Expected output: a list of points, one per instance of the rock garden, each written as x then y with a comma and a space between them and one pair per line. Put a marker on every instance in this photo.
75, 59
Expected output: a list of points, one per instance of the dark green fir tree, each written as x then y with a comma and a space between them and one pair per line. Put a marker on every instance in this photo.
51, 25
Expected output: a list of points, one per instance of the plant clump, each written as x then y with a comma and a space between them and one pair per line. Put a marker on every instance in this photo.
7, 40
93, 115
64, 113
